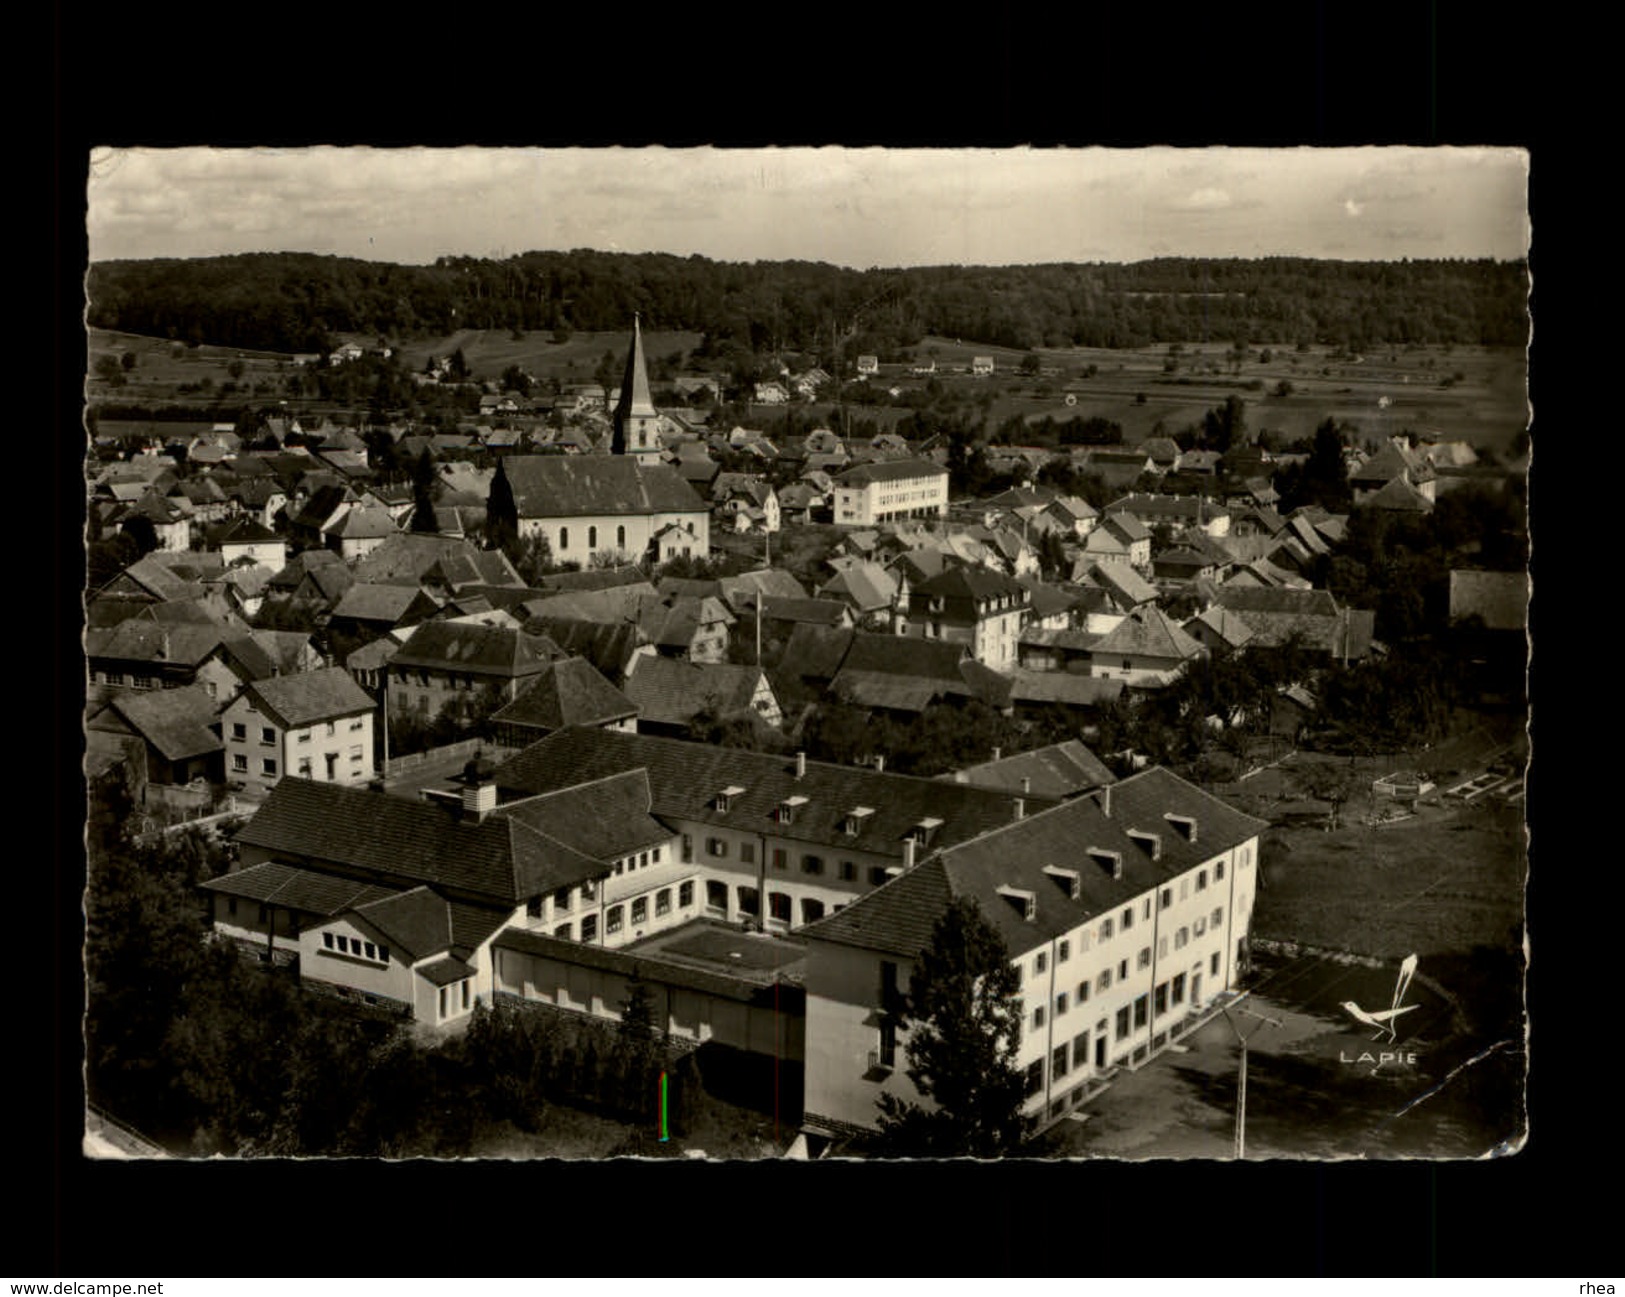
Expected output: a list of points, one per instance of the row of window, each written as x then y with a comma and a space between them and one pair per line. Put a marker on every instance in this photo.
355, 946
616, 917
845, 870
454, 999
592, 537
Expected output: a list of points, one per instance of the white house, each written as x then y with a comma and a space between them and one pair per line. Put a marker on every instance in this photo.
315, 724
889, 490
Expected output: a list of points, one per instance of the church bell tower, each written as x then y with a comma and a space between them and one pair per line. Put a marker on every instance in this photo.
636, 420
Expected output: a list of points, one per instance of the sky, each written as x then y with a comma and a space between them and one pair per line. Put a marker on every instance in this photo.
853, 207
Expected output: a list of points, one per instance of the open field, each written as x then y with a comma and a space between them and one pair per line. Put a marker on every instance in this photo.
490, 351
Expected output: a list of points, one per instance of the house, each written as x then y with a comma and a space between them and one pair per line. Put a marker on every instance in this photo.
770, 393
369, 609
358, 531
869, 589
870, 672
453, 661
669, 694
1219, 630
317, 725
245, 538
888, 490
568, 691
779, 842
1275, 615
445, 565
747, 495
1126, 913
973, 606
1146, 650
1176, 511
1395, 461
141, 653
867, 365
592, 505
169, 738
1074, 514
981, 366
169, 522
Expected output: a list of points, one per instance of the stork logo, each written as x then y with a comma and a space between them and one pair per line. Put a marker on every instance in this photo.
1383, 1020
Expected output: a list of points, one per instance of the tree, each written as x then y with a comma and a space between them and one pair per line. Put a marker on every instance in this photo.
964, 1014
128, 360
423, 481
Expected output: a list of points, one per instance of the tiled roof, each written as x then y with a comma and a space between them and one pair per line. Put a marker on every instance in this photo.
445, 971
814, 653
364, 522
310, 696
892, 470
140, 640
367, 601
899, 916
174, 721
395, 841
569, 691
291, 887
822, 612
473, 649
685, 778
1226, 625
417, 922
1035, 688
672, 692
1127, 586
972, 583
608, 647
603, 819
552, 486
1147, 632
1059, 770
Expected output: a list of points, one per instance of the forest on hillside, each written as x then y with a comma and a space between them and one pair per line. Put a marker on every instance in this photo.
295, 302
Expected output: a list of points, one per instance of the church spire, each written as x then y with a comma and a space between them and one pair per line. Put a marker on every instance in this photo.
635, 413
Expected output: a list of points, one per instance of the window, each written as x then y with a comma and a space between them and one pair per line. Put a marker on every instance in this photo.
750, 901
716, 895
1147, 913
812, 864
1038, 1017
327, 937
1162, 947
239, 763
1218, 917
267, 735
268, 766
564, 538
1144, 958
812, 909
561, 900
1057, 1066
533, 907
1142, 1008
849, 871
1181, 937
1104, 981
1199, 927
1215, 964
1218, 872
1083, 992
1080, 1049
443, 1010
355, 753
562, 932
747, 853
355, 725
1060, 1004
888, 1042
688, 848
1035, 1078
1063, 952
640, 910
589, 928
780, 860
685, 895
372, 950
662, 901
332, 728
1122, 1022
620, 538
465, 992
592, 538
716, 847
1161, 1005
1165, 898
1178, 988
304, 767
655, 855
612, 920
1105, 929
1201, 880
1040, 963
239, 731
877, 875
1128, 918
778, 906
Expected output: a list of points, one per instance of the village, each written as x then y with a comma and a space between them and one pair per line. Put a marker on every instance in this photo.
599, 697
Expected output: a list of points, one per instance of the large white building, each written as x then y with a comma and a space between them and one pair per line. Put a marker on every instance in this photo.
1126, 913
889, 490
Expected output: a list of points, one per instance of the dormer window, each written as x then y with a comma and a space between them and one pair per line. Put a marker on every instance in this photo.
1150, 843
1184, 824
724, 799
921, 832
1025, 901
1070, 881
1110, 861
786, 812
855, 819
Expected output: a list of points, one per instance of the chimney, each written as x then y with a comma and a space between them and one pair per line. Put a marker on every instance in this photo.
1106, 801
1026, 784
801, 765
998, 753
479, 790
880, 764
908, 853
1021, 808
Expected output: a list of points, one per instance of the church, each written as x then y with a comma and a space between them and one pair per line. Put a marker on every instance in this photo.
621, 507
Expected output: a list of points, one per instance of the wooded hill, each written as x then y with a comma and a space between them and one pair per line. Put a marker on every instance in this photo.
303, 302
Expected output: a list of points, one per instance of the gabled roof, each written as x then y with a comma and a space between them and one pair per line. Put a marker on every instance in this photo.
820, 611
175, 721
867, 586
891, 470
141, 640
978, 583
557, 486
366, 601
1059, 770
474, 649
608, 646
671, 692
241, 530
898, 917
1147, 632
310, 696
1401, 497
685, 778
1390, 462
1225, 625
363, 522
290, 887
569, 691
1065, 688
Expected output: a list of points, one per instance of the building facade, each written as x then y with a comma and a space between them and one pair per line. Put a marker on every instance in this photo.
890, 490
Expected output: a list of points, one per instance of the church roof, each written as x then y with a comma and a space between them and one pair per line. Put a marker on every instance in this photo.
635, 399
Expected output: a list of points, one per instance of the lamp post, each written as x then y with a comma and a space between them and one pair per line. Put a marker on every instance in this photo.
1241, 1084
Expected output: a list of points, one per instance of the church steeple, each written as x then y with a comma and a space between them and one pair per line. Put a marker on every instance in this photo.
635, 417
